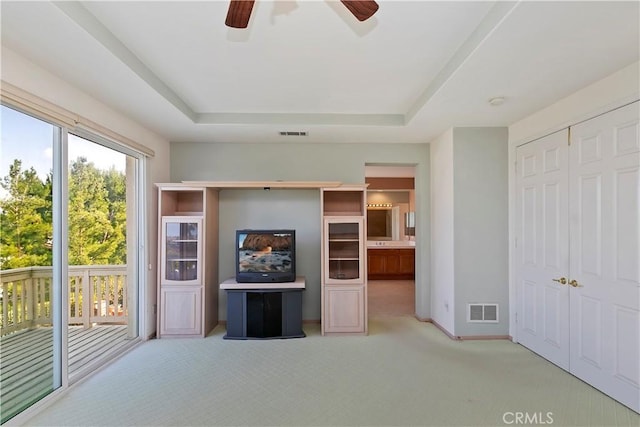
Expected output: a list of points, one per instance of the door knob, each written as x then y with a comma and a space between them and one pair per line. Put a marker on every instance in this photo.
575, 283
562, 280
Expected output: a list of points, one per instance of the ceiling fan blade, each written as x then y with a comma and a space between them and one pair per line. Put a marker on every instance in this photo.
239, 13
361, 9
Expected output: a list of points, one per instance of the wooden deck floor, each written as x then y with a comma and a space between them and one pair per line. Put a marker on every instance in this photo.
26, 361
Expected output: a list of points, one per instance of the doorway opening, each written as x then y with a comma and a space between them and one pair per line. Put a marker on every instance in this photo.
390, 239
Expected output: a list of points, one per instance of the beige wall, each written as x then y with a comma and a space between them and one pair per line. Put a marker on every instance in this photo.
480, 241
469, 228
442, 214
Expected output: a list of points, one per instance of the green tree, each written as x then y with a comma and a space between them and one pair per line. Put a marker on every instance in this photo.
25, 219
92, 236
97, 217
116, 186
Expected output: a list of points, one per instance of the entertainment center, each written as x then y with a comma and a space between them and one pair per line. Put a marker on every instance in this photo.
266, 301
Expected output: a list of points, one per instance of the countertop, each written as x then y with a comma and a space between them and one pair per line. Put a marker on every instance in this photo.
389, 244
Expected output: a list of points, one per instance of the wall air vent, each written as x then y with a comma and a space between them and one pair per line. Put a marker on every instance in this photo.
482, 313
294, 133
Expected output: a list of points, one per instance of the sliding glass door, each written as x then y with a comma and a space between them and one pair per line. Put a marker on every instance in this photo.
69, 238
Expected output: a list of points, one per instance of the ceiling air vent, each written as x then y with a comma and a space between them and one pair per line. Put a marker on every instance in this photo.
482, 313
294, 133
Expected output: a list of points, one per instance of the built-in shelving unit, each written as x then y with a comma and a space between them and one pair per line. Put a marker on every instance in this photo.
187, 260
344, 281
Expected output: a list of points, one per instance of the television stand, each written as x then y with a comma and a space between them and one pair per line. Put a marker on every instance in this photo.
264, 310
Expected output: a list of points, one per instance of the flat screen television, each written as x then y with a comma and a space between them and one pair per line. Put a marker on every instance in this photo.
264, 256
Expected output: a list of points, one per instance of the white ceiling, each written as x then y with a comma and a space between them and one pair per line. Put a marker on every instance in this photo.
409, 73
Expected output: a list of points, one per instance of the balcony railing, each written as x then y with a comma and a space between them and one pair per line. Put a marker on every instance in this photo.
97, 294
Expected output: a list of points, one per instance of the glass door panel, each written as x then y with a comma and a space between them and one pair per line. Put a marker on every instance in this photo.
30, 360
102, 252
344, 251
181, 250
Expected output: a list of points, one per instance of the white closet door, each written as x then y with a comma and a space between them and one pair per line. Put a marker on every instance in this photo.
543, 247
604, 243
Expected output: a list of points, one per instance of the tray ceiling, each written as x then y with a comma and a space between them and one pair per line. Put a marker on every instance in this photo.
407, 74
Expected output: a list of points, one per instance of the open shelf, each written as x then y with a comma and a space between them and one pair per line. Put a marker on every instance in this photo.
343, 203
182, 202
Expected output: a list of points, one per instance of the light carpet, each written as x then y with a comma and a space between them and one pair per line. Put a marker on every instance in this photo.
404, 373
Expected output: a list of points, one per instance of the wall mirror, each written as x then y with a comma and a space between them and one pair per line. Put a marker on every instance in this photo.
387, 214
390, 202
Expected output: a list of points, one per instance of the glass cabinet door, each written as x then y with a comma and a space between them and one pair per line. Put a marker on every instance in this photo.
344, 251
181, 250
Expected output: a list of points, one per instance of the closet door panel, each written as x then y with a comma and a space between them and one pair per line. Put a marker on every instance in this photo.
604, 244
542, 247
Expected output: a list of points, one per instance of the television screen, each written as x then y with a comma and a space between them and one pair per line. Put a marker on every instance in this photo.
265, 256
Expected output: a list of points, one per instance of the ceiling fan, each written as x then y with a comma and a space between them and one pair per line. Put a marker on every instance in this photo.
240, 11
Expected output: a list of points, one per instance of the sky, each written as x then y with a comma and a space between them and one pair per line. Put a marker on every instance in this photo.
31, 140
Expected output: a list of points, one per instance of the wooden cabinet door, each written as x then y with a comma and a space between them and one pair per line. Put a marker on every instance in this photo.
392, 265
407, 261
181, 310
345, 309
376, 261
